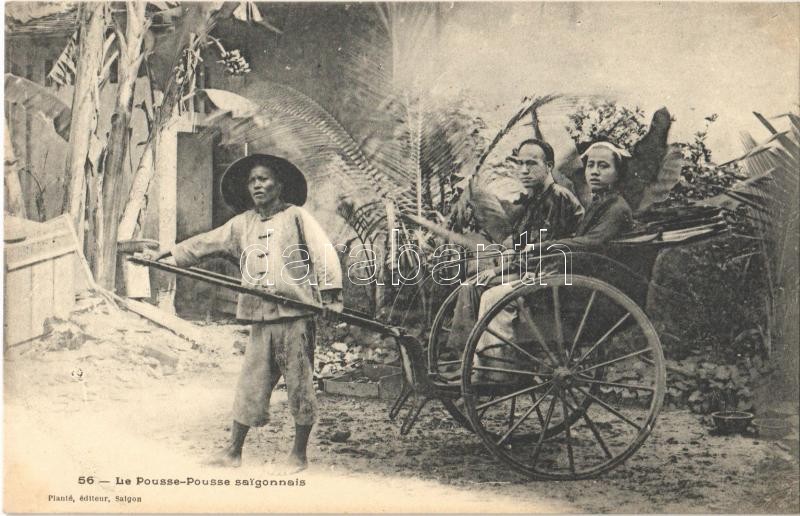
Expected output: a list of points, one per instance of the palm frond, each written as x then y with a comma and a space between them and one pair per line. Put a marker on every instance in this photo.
770, 194
304, 128
462, 214
367, 220
528, 104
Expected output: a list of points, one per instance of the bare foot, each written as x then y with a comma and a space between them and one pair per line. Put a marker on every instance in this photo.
291, 464
226, 458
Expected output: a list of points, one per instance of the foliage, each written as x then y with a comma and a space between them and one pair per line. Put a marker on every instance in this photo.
185, 70
706, 294
704, 385
755, 286
402, 152
701, 178
607, 121
769, 198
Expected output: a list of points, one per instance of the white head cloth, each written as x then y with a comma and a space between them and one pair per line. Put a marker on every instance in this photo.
618, 152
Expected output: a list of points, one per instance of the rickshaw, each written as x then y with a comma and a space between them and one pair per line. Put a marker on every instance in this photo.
574, 387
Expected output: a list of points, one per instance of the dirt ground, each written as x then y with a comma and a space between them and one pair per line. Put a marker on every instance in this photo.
136, 401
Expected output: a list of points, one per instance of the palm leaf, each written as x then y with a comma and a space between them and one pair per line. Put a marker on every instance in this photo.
37, 99
63, 71
669, 174
647, 162
528, 105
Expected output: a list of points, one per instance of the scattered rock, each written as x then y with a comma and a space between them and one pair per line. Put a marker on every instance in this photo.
328, 371
161, 353
83, 304
63, 334
340, 436
339, 346
239, 347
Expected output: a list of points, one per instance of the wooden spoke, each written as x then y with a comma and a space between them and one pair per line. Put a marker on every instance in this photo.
557, 321
538, 410
632, 386
512, 411
608, 408
563, 427
604, 337
518, 348
568, 434
522, 310
582, 324
619, 359
527, 413
445, 328
448, 362
512, 395
544, 430
510, 371
593, 428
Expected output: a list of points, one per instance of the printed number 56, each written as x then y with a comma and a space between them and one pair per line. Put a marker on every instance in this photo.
86, 480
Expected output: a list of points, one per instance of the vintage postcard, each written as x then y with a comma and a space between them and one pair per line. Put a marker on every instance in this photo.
434, 257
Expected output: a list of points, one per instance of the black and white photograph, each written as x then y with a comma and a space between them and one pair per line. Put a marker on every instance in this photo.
401, 257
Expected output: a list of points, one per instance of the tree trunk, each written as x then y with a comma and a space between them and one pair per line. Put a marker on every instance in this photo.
94, 215
113, 191
15, 204
137, 198
197, 22
85, 104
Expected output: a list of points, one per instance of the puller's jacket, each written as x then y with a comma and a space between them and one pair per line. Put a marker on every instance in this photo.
286, 253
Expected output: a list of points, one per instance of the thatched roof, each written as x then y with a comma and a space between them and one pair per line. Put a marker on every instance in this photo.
23, 12
60, 18
40, 18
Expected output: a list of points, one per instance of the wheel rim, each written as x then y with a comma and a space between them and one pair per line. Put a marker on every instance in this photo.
444, 358
581, 362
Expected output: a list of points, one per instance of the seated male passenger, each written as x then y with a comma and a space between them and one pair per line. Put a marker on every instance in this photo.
546, 205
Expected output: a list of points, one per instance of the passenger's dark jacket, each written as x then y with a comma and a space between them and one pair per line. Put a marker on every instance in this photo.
608, 216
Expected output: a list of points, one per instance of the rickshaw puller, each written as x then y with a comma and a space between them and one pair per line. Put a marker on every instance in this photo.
273, 237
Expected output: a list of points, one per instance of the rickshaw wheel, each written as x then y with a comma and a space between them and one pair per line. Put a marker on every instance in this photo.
445, 359
583, 358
